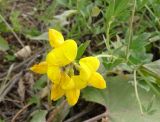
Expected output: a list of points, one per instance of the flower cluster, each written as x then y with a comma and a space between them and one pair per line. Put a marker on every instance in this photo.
67, 76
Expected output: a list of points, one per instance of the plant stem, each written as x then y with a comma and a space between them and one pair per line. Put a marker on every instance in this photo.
107, 40
11, 29
106, 56
130, 31
136, 92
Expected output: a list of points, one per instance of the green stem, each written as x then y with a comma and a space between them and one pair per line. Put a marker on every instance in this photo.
106, 56
107, 41
76, 65
136, 92
130, 31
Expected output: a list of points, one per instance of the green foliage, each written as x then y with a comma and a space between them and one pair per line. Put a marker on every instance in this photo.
39, 116
1, 120
9, 57
95, 11
34, 100
43, 36
120, 99
101, 21
41, 83
152, 69
138, 50
81, 49
15, 21
3, 44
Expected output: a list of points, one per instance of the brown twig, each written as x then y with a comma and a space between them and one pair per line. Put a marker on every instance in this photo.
19, 112
25, 62
11, 100
85, 111
98, 117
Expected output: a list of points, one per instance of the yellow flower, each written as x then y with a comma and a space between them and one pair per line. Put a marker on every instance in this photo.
63, 54
65, 87
88, 75
61, 69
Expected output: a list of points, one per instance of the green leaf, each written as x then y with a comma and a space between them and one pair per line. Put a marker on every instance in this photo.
15, 20
1, 120
9, 57
95, 95
62, 2
43, 36
110, 65
120, 6
3, 44
95, 11
142, 57
138, 51
62, 19
39, 116
110, 11
34, 100
152, 69
3, 27
121, 102
81, 49
40, 83
140, 41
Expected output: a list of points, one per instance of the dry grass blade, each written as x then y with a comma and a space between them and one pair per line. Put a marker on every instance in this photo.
99, 117
4, 83
27, 62
21, 89
9, 86
11, 29
19, 112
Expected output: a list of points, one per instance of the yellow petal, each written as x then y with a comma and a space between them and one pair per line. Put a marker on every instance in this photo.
55, 38
56, 58
56, 92
79, 83
66, 82
40, 68
97, 81
63, 55
91, 62
54, 74
72, 96
70, 49
85, 72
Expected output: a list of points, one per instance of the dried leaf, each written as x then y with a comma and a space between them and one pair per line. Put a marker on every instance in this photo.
28, 77
62, 18
21, 89
23, 53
